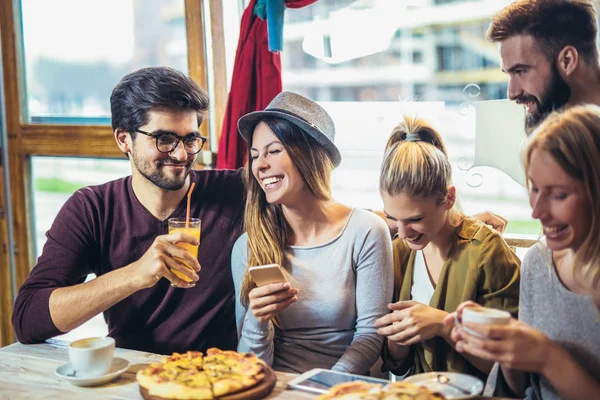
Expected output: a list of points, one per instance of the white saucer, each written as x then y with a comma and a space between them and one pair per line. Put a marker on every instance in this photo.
117, 367
471, 385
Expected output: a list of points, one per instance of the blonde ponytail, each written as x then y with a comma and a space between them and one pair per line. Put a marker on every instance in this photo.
415, 161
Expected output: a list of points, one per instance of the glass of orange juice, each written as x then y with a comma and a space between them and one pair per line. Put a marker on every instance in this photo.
192, 228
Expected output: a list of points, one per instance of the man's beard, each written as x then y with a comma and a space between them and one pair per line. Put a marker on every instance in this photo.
556, 95
157, 177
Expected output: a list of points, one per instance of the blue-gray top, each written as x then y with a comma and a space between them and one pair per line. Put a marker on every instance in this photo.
568, 318
344, 285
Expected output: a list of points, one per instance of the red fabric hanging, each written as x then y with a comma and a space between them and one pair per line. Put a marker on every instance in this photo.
256, 81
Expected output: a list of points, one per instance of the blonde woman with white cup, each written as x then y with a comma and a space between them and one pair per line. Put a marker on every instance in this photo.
553, 350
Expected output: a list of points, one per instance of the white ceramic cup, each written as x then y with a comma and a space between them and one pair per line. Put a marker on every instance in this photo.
482, 315
91, 357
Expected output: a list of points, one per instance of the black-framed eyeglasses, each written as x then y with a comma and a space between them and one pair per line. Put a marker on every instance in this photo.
166, 142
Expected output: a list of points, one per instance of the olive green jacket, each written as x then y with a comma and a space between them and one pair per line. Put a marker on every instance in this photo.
480, 267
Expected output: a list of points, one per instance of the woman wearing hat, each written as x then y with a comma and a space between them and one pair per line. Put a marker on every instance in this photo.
337, 259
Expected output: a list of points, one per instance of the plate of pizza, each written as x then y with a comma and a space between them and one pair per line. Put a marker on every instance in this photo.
372, 391
224, 375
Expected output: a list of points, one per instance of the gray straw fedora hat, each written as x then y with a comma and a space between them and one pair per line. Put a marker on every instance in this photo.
300, 111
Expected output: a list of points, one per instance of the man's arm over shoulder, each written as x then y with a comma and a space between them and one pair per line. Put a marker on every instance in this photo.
223, 191
65, 261
225, 184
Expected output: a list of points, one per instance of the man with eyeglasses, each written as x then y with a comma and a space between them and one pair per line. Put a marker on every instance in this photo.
119, 232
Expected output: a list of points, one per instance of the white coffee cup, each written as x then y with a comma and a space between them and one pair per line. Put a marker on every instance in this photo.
482, 315
92, 357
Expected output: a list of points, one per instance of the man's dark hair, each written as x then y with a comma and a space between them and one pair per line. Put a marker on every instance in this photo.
154, 88
554, 24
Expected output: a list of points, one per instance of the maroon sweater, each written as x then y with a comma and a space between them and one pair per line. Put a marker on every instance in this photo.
103, 228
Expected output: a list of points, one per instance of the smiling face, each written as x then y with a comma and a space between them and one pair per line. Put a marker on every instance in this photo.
166, 170
559, 201
533, 81
273, 168
418, 219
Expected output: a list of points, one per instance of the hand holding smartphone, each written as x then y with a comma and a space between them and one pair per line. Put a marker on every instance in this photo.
266, 274
273, 294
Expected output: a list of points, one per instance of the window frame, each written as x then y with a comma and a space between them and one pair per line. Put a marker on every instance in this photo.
204, 21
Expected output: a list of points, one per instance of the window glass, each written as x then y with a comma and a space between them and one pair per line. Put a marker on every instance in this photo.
56, 178
54, 181
416, 57
76, 51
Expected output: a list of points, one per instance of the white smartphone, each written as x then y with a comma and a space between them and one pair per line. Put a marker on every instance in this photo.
266, 274
320, 380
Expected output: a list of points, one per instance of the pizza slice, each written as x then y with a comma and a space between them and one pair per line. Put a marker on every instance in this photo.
230, 372
357, 390
194, 376
179, 376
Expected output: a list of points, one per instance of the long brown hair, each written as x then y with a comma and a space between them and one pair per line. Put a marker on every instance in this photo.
267, 229
572, 138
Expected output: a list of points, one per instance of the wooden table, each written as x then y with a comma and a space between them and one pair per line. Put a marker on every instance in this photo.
27, 372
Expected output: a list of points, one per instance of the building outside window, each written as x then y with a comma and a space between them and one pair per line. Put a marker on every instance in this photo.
431, 58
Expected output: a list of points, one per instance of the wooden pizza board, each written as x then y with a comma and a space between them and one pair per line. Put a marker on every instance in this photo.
257, 392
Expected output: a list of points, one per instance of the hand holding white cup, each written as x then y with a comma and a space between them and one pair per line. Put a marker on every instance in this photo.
481, 315
91, 357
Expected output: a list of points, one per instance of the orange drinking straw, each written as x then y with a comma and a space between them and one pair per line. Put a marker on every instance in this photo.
189, 196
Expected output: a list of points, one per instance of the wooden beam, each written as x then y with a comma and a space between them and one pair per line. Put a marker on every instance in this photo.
196, 50
20, 180
218, 67
69, 140
10, 68
6, 333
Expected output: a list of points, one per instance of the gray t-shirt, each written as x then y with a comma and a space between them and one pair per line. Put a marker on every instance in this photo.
565, 317
344, 285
